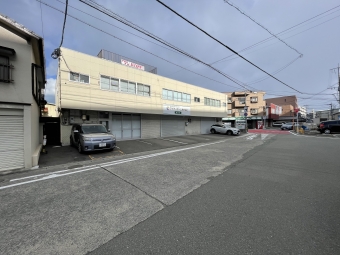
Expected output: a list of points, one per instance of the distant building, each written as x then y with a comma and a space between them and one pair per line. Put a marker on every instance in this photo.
256, 107
303, 111
288, 105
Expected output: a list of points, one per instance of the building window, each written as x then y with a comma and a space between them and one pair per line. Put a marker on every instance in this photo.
229, 101
143, 90
176, 96
212, 102
224, 105
242, 100
197, 99
5, 69
114, 84
253, 111
79, 77
104, 82
253, 99
229, 111
126, 86
240, 110
38, 83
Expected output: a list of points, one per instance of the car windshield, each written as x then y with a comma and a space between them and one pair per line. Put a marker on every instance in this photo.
94, 129
288, 123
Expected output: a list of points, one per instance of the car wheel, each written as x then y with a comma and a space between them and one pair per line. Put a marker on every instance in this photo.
213, 131
80, 149
327, 131
229, 132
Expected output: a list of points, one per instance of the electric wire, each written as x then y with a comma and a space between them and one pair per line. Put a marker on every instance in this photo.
70, 6
130, 24
237, 8
42, 21
140, 47
284, 31
227, 47
56, 53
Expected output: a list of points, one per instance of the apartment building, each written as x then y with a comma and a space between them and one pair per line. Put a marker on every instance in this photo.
288, 104
256, 108
22, 83
130, 98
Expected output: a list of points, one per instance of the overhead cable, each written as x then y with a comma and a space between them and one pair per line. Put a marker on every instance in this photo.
139, 47
56, 53
109, 13
286, 30
227, 47
237, 8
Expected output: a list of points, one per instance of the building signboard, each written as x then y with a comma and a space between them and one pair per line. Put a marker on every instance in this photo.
176, 110
134, 65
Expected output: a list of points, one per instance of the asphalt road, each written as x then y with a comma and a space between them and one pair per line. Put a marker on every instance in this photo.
256, 194
281, 198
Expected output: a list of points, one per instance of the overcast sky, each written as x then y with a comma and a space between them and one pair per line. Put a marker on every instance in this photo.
317, 39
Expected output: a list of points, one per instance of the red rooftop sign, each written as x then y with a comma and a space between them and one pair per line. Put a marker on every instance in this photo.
134, 65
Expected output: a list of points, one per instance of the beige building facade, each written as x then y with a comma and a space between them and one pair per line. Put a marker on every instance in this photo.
130, 99
22, 80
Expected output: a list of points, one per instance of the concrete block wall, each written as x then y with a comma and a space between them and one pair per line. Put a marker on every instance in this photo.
150, 125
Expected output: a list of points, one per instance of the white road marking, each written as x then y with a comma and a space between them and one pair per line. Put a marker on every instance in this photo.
66, 172
173, 141
313, 136
144, 142
251, 137
263, 136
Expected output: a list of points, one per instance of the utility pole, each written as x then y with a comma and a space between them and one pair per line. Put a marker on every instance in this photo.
246, 110
338, 85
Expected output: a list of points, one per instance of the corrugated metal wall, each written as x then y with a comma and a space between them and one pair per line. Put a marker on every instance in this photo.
172, 125
12, 141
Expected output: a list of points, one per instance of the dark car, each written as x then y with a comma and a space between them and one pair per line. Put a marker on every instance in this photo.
91, 137
330, 126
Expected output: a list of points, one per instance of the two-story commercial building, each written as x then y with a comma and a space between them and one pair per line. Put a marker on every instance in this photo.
22, 80
130, 99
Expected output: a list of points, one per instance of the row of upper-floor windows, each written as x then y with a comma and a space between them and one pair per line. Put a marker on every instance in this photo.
176, 96
213, 102
120, 85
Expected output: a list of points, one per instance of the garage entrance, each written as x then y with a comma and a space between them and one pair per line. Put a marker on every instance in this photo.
172, 125
126, 126
11, 139
206, 124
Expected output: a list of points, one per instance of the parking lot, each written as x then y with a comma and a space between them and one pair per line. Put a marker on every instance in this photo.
59, 155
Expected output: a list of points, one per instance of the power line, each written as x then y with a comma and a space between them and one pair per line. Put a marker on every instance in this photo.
134, 26
42, 21
286, 30
56, 53
118, 27
237, 8
227, 47
139, 47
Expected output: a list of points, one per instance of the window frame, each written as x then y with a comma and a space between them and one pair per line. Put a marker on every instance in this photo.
69, 77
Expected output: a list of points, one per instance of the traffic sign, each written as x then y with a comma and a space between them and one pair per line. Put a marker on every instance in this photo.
245, 114
178, 112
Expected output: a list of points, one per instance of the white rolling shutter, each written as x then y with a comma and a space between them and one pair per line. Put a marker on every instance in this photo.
206, 124
172, 126
11, 141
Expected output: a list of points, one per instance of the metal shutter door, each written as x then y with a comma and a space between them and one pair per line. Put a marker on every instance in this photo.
11, 142
206, 124
172, 126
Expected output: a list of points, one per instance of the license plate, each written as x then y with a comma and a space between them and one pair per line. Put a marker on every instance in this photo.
102, 145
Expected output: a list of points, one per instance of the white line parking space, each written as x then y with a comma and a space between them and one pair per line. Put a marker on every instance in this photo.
173, 141
144, 142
